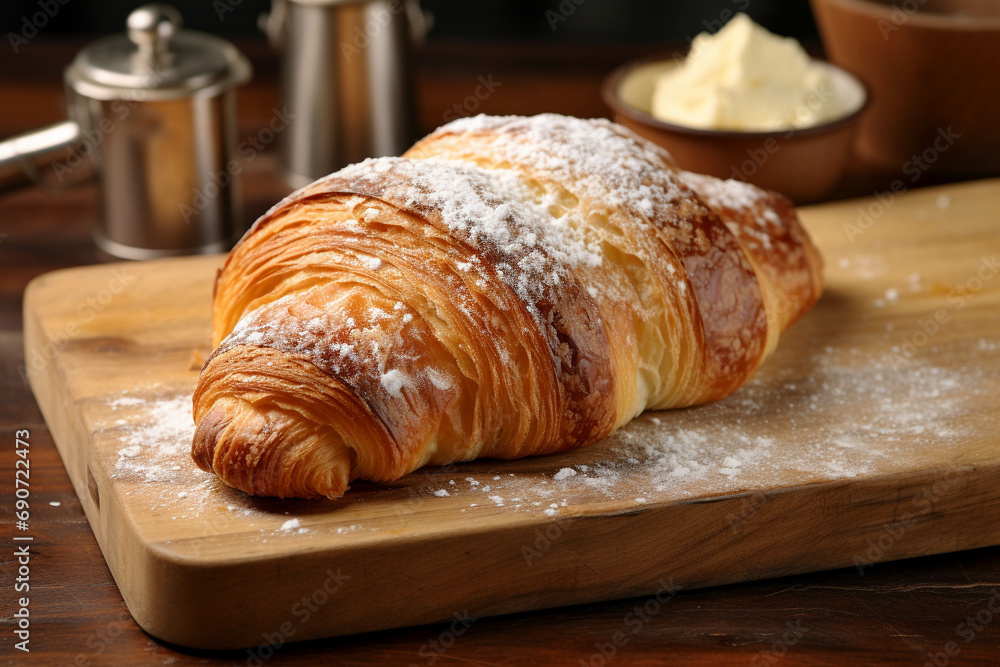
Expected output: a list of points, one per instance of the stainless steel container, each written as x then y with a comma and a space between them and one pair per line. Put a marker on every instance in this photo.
153, 114
347, 81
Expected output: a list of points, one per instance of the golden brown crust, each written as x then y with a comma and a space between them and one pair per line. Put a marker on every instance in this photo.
787, 264
727, 305
512, 286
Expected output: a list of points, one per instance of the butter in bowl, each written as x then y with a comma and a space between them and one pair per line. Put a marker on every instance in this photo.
745, 104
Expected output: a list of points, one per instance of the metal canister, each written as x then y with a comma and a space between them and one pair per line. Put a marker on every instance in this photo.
347, 81
153, 113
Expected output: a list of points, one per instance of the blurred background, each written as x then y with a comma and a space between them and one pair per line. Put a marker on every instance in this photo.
592, 20
334, 85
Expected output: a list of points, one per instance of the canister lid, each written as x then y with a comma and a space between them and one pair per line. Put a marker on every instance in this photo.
157, 58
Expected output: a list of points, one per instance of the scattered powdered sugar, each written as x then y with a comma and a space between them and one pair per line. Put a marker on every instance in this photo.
162, 435
125, 401
291, 526
528, 229
492, 209
852, 416
495, 211
393, 381
355, 346
604, 162
728, 193
730, 466
847, 415
152, 459
437, 378
866, 266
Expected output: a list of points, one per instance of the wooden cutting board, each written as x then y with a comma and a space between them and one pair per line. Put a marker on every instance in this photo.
872, 434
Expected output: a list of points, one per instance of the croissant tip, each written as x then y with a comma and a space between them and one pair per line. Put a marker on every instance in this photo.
214, 450
206, 438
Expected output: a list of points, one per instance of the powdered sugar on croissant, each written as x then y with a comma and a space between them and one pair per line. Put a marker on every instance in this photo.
510, 286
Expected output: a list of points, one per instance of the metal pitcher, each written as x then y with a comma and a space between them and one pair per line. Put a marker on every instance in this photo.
347, 81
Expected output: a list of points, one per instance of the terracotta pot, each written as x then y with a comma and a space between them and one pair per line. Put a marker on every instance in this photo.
930, 65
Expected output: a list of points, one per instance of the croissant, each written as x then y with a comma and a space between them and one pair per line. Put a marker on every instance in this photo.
511, 286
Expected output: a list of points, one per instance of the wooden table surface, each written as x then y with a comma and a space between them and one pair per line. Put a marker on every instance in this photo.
938, 610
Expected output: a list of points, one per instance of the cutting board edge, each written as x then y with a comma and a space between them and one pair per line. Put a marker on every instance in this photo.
662, 559
79, 460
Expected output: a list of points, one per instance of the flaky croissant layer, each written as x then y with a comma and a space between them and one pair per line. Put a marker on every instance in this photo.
511, 286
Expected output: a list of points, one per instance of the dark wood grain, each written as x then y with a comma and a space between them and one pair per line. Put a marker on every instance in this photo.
900, 613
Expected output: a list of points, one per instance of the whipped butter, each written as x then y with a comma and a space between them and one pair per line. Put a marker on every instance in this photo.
744, 78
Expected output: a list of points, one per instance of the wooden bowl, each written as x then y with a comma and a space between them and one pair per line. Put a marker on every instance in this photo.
803, 164
928, 70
